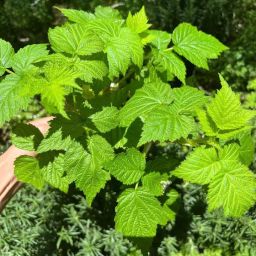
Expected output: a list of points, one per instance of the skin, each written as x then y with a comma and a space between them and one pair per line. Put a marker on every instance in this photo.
8, 182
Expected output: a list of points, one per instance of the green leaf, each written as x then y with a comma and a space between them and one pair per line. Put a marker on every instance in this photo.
138, 213
195, 45
161, 39
100, 150
11, 98
173, 125
123, 49
144, 101
54, 141
108, 13
91, 182
226, 110
75, 39
77, 16
26, 136
28, 55
188, 98
53, 171
58, 79
138, 22
27, 170
6, 54
234, 189
200, 166
76, 161
154, 182
106, 120
91, 69
167, 61
127, 167
247, 147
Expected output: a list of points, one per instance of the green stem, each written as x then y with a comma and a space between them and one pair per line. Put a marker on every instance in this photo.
9, 71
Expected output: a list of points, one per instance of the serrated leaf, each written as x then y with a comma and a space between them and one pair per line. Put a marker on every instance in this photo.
200, 166
246, 147
106, 12
6, 54
54, 141
127, 167
58, 79
106, 120
173, 125
161, 39
75, 39
91, 182
138, 22
91, 69
169, 62
28, 55
153, 182
53, 170
77, 16
27, 170
76, 161
145, 100
11, 101
100, 150
188, 98
138, 213
234, 189
123, 49
226, 110
195, 45
26, 136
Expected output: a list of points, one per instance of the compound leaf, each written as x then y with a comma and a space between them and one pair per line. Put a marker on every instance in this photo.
6, 54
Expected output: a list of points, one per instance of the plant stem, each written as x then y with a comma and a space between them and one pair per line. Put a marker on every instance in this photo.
9, 71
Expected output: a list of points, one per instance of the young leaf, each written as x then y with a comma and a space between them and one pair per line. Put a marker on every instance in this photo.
58, 78
226, 110
27, 170
138, 22
138, 213
195, 45
6, 54
127, 167
106, 120
234, 189
145, 100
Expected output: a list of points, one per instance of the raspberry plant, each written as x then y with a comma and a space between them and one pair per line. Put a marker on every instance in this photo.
108, 83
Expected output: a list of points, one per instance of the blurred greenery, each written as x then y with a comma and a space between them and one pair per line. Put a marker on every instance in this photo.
51, 223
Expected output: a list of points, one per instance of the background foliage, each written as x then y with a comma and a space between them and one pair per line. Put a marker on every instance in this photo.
43, 229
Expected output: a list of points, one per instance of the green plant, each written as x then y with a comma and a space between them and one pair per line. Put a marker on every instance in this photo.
108, 83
